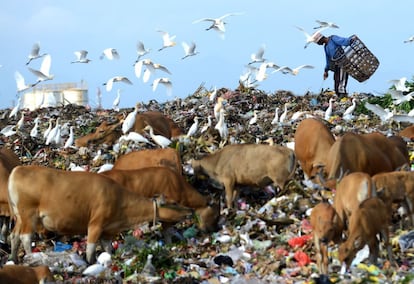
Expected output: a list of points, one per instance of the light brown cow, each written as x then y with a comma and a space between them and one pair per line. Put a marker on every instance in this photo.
8, 160
313, 139
368, 220
167, 157
72, 203
396, 187
326, 227
407, 132
105, 133
370, 153
156, 181
19, 274
247, 164
350, 192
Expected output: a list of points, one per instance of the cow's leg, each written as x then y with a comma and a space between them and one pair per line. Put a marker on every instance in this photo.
15, 243
230, 192
94, 233
4, 229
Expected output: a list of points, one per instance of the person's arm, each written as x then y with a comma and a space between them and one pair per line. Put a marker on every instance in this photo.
344, 41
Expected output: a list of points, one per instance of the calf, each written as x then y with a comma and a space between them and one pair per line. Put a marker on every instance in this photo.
8, 160
106, 133
167, 157
72, 203
19, 274
396, 187
368, 220
313, 139
247, 164
350, 192
326, 227
153, 181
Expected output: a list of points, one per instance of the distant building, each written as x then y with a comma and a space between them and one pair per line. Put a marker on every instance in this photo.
52, 95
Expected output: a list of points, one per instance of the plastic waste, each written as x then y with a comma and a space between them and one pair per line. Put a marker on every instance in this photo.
406, 241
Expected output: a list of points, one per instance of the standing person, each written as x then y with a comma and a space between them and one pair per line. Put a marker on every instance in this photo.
331, 44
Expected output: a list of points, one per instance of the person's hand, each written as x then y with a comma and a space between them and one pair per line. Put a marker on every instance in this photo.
325, 75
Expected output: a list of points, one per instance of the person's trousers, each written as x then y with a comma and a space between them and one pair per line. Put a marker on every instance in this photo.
340, 80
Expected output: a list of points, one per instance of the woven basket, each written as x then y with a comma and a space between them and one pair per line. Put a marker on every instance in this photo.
357, 60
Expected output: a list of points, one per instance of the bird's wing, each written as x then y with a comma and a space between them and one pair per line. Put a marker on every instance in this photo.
155, 84
376, 109
163, 68
403, 118
109, 84
19, 80
147, 74
231, 14
45, 67
140, 47
138, 68
203, 20
37, 73
35, 50
126, 80
305, 66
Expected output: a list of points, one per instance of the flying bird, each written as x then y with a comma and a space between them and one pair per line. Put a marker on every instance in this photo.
35, 53
217, 23
141, 50
310, 38
323, 24
21, 85
81, 57
115, 79
168, 41
43, 74
189, 50
400, 84
295, 71
398, 97
258, 56
165, 81
151, 67
384, 114
410, 39
110, 53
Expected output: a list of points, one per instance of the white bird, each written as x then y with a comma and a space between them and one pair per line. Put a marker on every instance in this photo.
21, 85
328, 111
148, 268
141, 50
258, 56
115, 103
129, 121
348, 112
34, 132
276, 117
400, 84
151, 68
115, 79
384, 114
44, 73
81, 57
193, 128
283, 116
207, 125
253, 120
398, 97
261, 73
213, 95
217, 23
51, 136
168, 41
58, 137
35, 53
134, 136
221, 126
9, 130
71, 138
310, 38
218, 107
110, 53
189, 50
295, 71
19, 124
105, 167
323, 24
165, 81
48, 129
410, 39
104, 261
16, 108
158, 139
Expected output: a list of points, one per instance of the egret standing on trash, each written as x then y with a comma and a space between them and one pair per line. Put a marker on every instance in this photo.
331, 45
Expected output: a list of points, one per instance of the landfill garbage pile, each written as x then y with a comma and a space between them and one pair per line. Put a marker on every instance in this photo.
267, 239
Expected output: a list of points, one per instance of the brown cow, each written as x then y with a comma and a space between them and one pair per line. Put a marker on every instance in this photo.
313, 139
75, 203
8, 160
167, 157
109, 132
156, 181
350, 192
370, 153
407, 132
326, 227
368, 220
19, 274
247, 164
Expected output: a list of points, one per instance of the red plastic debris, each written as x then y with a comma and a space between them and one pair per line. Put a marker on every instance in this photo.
302, 258
299, 241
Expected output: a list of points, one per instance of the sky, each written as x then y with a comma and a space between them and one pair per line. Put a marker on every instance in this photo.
62, 27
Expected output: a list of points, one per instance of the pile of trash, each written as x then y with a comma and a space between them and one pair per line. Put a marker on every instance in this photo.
268, 239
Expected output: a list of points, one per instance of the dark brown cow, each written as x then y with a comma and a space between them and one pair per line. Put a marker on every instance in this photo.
19, 274
313, 139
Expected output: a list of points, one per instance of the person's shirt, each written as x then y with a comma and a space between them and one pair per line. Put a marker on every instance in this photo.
333, 43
